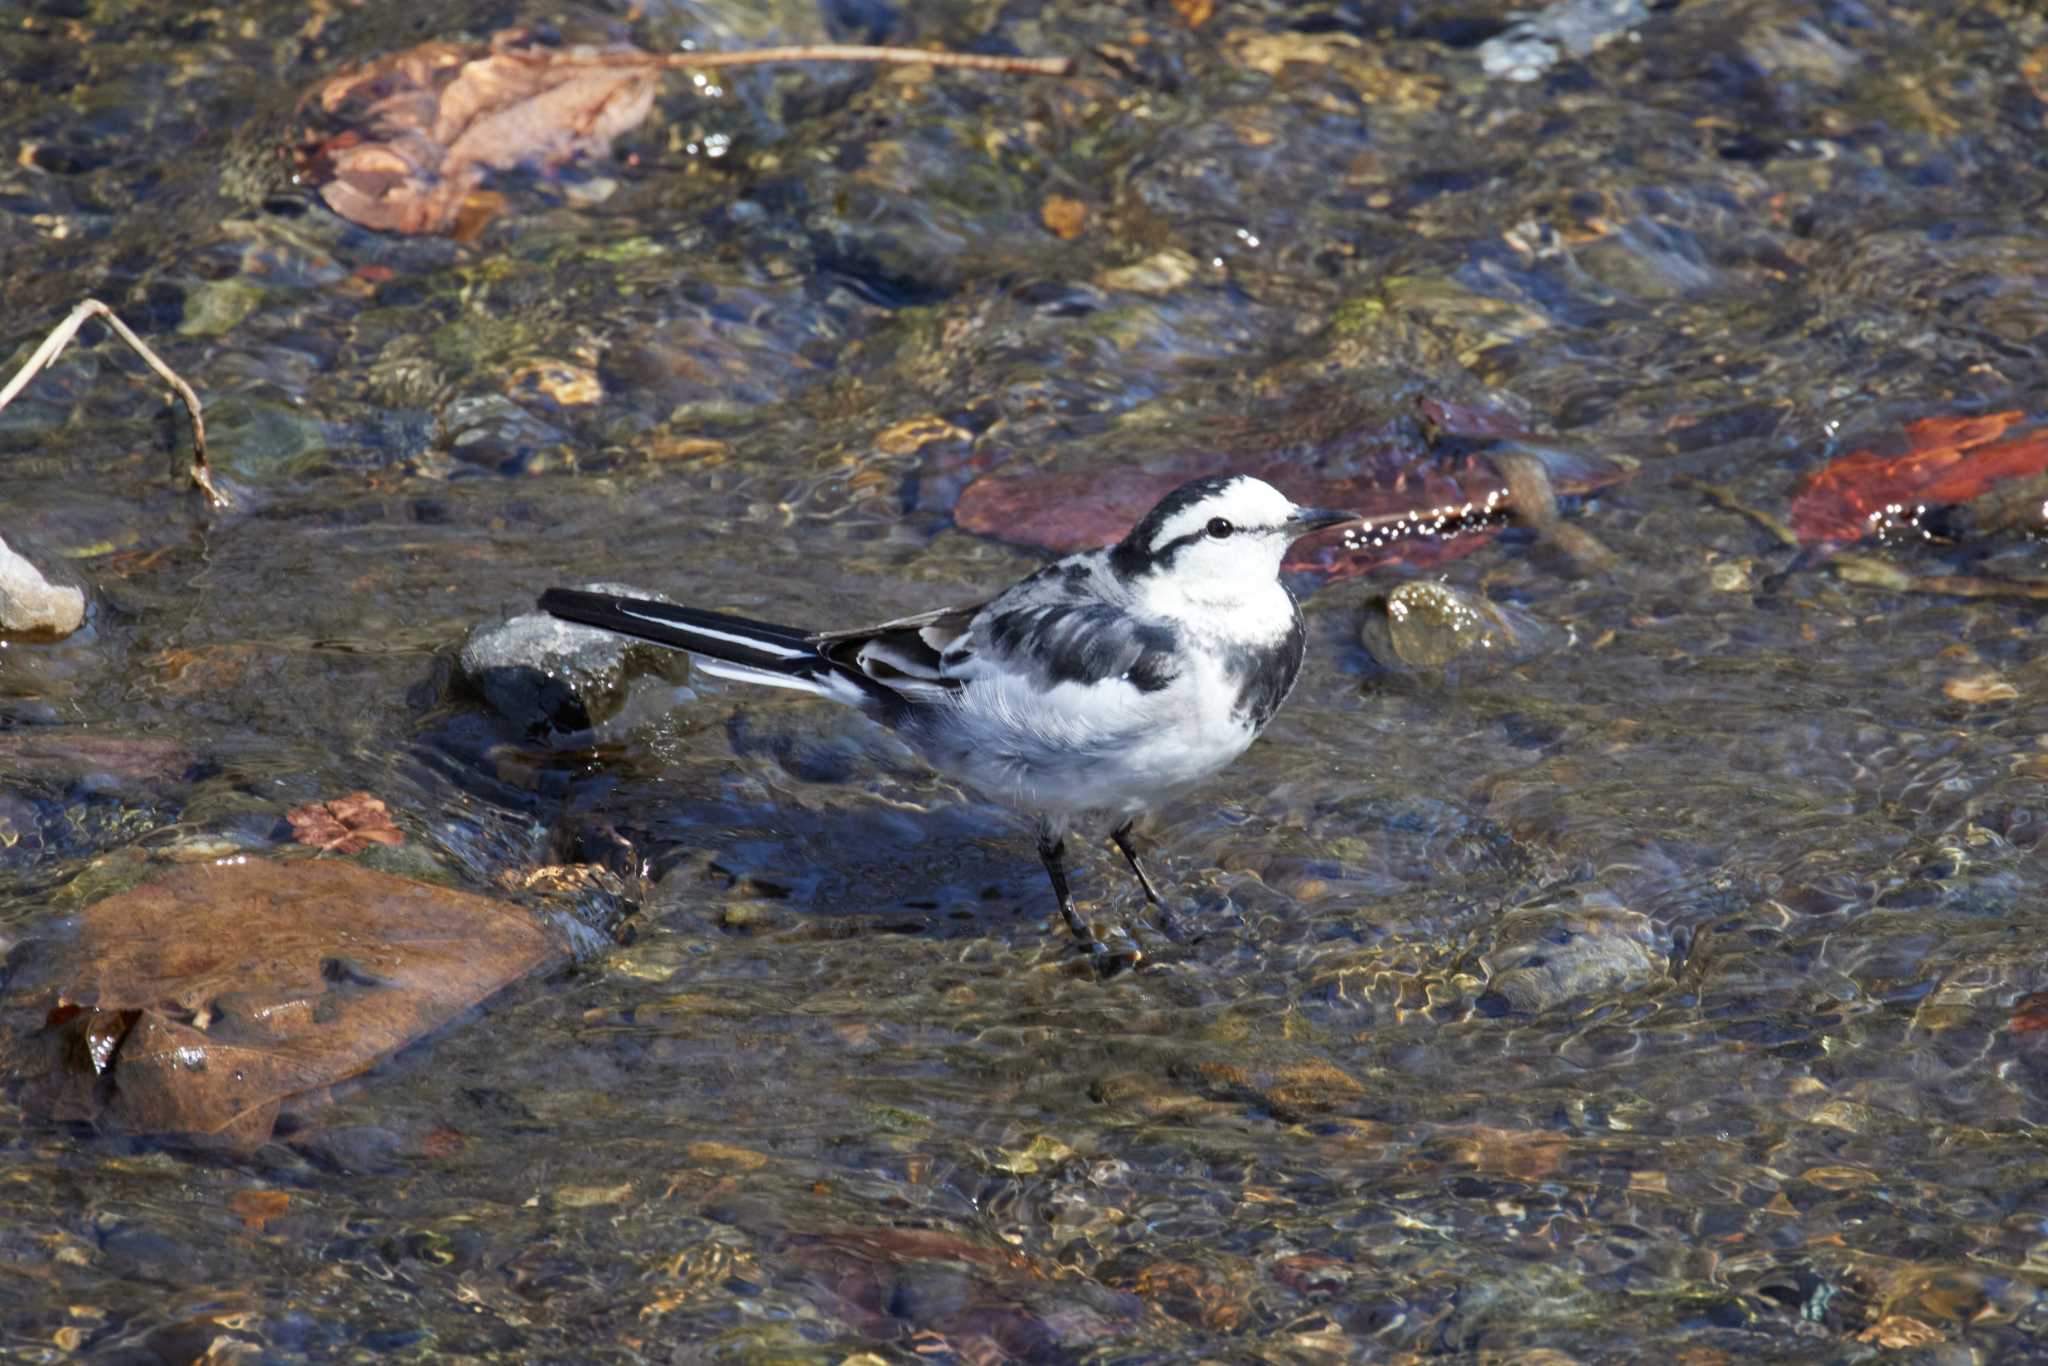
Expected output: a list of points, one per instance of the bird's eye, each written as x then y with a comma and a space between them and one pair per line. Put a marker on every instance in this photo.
1219, 527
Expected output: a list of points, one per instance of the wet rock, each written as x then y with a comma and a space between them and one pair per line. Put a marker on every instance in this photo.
260, 440
975, 1299
1425, 627
1291, 1091
30, 602
1574, 28
1587, 945
491, 431
553, 676
79, 761
1160, 273
1216, 1296
198, 1003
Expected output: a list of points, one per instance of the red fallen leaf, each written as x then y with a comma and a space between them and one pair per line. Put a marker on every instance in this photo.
345, 824
1945, 461
1432, 491
2030, 1013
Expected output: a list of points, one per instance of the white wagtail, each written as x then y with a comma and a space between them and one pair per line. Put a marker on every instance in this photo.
1101, 685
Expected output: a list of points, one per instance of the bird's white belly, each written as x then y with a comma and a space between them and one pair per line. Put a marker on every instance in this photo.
1078, 747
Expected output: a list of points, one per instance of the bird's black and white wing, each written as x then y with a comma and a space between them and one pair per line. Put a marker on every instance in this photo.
1060, 625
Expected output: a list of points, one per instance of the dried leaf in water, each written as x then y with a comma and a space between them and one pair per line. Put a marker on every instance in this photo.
1431, 489
1946, 461
258, 1207
406, 139
344, 825
2030, 1013
199, 1002
414, 133
1062, 216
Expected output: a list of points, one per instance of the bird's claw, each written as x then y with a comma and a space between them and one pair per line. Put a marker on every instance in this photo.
1116, 952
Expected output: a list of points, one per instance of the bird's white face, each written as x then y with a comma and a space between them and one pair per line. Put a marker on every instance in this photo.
1235, 535
1210, 553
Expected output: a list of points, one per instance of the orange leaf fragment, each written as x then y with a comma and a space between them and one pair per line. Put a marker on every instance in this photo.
258, 1208
344, 825
1946, 460
1064, 217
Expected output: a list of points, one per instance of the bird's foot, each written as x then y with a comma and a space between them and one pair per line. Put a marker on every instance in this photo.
1172, 926
1116, 952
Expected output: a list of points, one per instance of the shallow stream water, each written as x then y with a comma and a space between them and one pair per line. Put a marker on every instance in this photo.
833, 1084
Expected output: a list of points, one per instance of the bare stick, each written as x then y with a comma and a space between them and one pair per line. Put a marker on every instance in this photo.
894, 56
1728, 499
61, 335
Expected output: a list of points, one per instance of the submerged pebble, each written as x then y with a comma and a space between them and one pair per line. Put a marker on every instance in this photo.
1436, 628
1575, 28
1589, 945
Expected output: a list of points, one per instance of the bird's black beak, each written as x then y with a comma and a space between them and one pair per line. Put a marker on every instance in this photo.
1304, 520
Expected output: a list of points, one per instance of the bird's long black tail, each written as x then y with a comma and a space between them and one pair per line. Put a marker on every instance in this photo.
730, 647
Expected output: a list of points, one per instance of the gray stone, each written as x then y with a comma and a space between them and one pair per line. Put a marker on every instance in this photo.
550, 675
1586, 944
30, 602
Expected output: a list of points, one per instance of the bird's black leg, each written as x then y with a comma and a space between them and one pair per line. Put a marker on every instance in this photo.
1168, 921
1052, 850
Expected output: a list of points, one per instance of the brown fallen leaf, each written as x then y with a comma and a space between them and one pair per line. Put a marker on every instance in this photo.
199, 1002
405, 140
1063, 217
418, 130
344, 825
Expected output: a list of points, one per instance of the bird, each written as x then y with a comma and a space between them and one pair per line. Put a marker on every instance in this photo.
1092, 690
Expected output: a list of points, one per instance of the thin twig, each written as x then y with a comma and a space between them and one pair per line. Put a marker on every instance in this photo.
202, 471
1728, 499
895, 56
1970, 586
